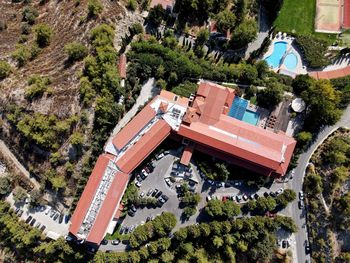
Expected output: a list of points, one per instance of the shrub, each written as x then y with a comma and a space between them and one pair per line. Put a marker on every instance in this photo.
5, 185
29, 15
37, 86
132, 5
19, 194
102, 35
43, 34
314, 50
26, 29
94, 8
21, 54
5, 69
75, 51
136, 29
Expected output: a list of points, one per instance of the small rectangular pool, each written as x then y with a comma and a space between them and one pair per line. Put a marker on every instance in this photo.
251, 117
238, 108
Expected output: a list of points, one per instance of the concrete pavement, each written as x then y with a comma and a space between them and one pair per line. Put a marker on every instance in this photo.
297, 184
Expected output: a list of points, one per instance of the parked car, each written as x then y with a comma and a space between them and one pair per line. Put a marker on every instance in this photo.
307, 248
55, 217
66, 218
138, 178
38, 225
47, 211
32, 222
301, 204
228, 184
115, 242
279, 191
42, 228
131, 213
138, 184
28, 219
16, 210
165, 198
210, 182
285, 244
166, 152
155, 192
148, 218
245, 197
20, 212
121, 230
142, 194
133, 208
208, 198
273, 194
160, 156
158, 194
168, 182
256, 196
266, 194
52, 213
104, 242
238, 198
60, 219
144, 172
219, 184
301, 195
149, 192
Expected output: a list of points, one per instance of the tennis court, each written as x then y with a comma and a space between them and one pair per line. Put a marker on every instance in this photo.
328, 16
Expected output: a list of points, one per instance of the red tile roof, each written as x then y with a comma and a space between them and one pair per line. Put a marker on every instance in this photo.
164, 3
346, 19
187, 154
122, 66
133, 127
146, 144
88, 193
332, 74
171, 97
108, 209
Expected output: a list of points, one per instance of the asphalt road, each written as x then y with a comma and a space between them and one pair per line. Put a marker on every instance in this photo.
297, 182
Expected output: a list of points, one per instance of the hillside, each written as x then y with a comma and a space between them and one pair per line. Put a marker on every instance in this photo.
58, 107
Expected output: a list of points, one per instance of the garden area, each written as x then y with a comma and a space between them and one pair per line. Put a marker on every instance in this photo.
328, 199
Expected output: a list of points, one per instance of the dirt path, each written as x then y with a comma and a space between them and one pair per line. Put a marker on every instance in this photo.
10, 156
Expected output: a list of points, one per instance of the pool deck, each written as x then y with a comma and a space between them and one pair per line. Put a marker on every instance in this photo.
300, 68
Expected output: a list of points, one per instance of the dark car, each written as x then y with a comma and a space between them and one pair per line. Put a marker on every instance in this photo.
273, 194
165, 198
28, 219
158, 194
16, 210
307, 249
300, 205
285, 244
266, 194
154, 192
138, 178
104, 242
60, 220
20, 212
42, 228
32, 222
256, 196
66, 218
55, 216
133, 208
131, 213
227, 184
121, 230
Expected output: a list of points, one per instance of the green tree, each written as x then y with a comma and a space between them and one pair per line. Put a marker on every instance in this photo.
29, 15
132, 5
77, 139
43, 34
230, 209
102, 35
5, 69
188, 211
35, 197
304, 138
136, 29
225, 20
21, 54
19, 194
58, 182
156, 15
270, 96
244, 33
94, 8
302, 83
214, 208
76, 51
5, 185
218, 242
202, 37
265, 204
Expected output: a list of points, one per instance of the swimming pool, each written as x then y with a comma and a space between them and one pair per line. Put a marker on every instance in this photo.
291, 61
274, 59
251, 117
238, 108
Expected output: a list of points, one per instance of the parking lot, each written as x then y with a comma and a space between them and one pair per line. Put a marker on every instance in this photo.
164, 168
55, 223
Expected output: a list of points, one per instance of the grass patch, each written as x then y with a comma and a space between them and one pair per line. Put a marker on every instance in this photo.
253, 100
298, 17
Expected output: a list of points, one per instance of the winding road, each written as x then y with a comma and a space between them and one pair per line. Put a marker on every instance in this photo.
297, 183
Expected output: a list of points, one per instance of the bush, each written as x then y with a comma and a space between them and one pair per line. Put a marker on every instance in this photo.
132, 5
26, 29
5, 185
29, 15
19, 194
76, 51
314, 50
21, 54
5, 69
43, 34
38, 85
94, 8
136, 29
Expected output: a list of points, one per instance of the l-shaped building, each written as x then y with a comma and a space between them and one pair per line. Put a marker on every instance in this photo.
202, 122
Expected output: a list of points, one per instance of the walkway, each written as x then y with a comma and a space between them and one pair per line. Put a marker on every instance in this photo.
297, 183
148, 91
10, 156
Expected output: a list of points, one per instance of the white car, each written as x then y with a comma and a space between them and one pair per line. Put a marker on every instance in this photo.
301, 195
279, 191
144, 172
142, 194
159, 156
138, 184
208, 198
168, 182
48, 210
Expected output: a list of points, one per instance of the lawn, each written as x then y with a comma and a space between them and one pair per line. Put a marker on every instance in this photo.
298, 17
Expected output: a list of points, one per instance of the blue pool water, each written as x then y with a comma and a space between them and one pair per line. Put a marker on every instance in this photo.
251, 117
291, 61
279, 49
238, 108
239, 111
